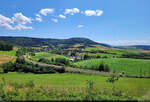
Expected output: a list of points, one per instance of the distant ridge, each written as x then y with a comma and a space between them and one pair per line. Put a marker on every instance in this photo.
144, 47
31, 41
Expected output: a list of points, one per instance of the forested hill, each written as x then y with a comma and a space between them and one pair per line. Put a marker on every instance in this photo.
28, 41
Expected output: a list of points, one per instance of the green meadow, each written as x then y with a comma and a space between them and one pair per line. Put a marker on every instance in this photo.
11, 53
78, 82
129, 66
46, 55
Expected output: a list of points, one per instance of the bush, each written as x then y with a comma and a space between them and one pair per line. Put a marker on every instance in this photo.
9, 66
30, 84
101, 67
21, 65
43, 60
62, 61
106, 68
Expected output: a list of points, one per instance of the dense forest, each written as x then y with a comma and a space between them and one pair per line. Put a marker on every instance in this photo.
5, 46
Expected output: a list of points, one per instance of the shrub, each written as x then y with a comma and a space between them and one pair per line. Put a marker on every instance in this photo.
43, 60
112, 80
30, 84
9, 66
62, 61
101, 67
106, 68
90, 91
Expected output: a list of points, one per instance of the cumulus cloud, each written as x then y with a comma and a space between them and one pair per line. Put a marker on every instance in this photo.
19, 19
38, 18
93, 12
54, 20
62, 16
21, 27
7, 26
71, 11
46, 11
80, 26
4, 19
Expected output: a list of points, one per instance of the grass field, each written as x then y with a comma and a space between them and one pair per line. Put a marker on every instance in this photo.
46, 55
77, 82
112, 50
129, 66
11, 53
101, 55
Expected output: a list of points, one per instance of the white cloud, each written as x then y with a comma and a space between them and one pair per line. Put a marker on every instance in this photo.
5, 22
93, 12
38, 18
46, 11
71, 11
80, 26
54, 20
22, 27
21, 19
62, 16
99, 12
4, 19
7, 26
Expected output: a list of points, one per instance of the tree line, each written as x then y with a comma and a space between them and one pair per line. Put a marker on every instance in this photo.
4, 46
21, 65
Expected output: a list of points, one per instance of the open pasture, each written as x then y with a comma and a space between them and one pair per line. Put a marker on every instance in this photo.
129, 66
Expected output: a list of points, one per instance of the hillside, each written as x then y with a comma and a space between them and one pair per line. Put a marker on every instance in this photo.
29, 41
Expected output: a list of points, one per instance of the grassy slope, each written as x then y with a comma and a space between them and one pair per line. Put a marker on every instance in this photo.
135, 87
46, 55
129, 66
11, 53
112, 50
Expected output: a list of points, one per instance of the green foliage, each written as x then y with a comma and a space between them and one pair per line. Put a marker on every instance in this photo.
61, 61
30, 84
106, 68
101, 67
91, 93
23, 50
11, 53
7, 67
112, 80
5, 46
21, 65
43, 60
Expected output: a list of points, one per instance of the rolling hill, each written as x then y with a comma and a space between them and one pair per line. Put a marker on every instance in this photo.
29, 41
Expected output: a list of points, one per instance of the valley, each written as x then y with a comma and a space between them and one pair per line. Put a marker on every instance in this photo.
74, 67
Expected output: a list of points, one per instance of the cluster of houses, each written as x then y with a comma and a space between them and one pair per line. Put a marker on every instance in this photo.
75, 58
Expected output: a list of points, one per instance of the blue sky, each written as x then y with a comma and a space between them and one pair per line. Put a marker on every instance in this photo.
116, 22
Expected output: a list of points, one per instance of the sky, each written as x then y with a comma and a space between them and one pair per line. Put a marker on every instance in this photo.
115, 22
